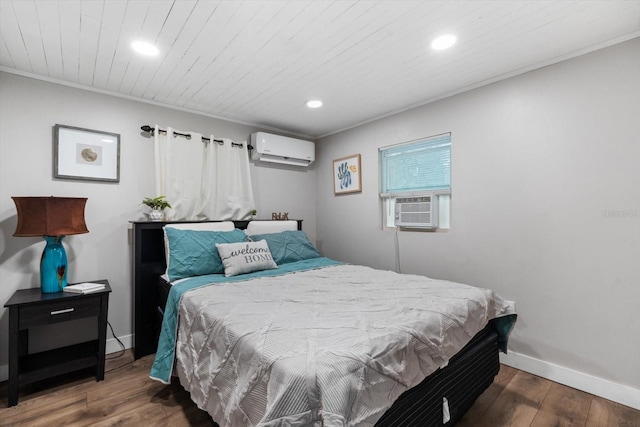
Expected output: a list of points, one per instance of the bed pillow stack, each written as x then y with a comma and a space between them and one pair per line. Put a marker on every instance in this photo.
197, 252
194, 253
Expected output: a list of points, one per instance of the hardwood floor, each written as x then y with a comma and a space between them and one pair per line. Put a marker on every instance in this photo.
519, 399
127, 397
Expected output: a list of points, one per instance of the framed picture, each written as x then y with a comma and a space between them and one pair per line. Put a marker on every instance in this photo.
86, 154
346, 175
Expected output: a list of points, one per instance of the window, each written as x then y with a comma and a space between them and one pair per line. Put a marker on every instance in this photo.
415, 183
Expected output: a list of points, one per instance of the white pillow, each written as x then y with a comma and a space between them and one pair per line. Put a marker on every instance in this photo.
268, 227
245, 257
198, 226
206, 226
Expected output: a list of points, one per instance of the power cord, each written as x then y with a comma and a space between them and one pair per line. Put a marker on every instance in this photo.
398, 269
122, 350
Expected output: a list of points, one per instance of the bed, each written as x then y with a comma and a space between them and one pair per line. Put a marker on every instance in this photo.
298, 345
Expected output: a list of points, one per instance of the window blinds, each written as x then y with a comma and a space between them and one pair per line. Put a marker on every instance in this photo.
423, 165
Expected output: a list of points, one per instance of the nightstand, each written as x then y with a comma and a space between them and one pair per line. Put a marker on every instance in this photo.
29, 308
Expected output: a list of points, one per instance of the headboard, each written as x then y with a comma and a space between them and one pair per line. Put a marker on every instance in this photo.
148, 263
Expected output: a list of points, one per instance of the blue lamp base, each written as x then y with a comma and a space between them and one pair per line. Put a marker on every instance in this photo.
53, 266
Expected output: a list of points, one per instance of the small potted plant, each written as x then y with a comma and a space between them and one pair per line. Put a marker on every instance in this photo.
253, 214
157, 205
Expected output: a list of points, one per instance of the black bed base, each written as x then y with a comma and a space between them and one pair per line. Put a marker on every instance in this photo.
461, 382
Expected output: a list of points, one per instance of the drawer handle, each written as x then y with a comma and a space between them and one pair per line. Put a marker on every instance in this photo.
66, 310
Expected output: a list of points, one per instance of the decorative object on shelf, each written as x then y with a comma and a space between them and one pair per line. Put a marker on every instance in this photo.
280, 216
157, 205
347, 176
52, 218
253, 214
86, 154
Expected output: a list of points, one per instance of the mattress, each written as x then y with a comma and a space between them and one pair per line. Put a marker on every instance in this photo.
305, 348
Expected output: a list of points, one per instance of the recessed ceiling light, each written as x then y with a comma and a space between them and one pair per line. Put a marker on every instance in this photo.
314, 103
144, 48
443, 42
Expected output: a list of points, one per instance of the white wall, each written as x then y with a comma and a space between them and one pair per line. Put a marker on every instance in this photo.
28, 110
539, 162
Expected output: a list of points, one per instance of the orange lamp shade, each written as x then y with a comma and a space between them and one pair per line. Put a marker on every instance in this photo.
50, 216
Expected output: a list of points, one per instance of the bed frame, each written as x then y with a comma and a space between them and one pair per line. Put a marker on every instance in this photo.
466, 376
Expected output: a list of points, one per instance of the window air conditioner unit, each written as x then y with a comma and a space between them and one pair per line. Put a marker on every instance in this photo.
416, 212
268, 147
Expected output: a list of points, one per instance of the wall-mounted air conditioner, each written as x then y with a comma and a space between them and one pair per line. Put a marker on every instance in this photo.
416, 212
268, 147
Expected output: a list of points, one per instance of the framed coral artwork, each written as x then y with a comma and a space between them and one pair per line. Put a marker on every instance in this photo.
86, 154
347, 176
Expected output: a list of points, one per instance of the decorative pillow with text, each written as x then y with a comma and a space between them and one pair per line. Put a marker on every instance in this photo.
245, 257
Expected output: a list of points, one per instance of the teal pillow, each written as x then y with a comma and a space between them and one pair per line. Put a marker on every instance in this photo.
194, 253
288, 246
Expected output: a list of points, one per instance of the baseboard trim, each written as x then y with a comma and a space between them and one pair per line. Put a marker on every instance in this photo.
112, 346
606, 389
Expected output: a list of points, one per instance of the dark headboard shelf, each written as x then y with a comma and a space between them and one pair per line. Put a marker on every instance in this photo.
148, 263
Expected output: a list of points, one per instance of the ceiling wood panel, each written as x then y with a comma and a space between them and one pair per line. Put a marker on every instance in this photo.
202, 53
140, 69
173, 25
113, 15
173, 61
49, 27
12, 38
4, 53
134, 15
26, 12
259, 61
90, 23
69, 13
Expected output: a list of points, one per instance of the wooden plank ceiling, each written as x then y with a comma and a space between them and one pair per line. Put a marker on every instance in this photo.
259, 61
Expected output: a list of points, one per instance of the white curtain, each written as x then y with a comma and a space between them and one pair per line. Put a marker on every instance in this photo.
202, 180
233, 193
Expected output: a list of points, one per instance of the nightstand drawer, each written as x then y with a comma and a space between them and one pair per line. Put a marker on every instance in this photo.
58, 311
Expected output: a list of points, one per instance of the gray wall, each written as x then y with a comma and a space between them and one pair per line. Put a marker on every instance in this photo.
28, 110
545, 206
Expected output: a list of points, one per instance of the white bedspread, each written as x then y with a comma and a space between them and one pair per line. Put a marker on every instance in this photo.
334, 346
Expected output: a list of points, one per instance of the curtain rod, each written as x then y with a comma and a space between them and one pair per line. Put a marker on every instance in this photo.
149, 129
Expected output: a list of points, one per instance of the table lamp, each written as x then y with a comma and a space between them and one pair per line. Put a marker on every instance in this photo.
52, 218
